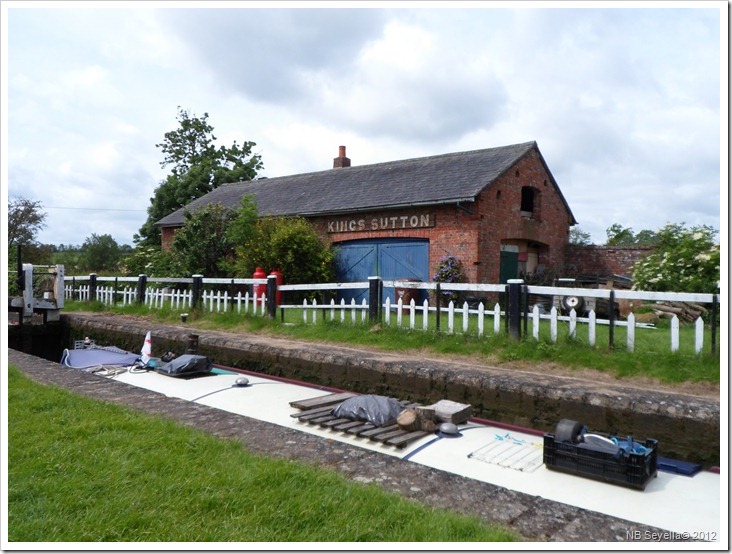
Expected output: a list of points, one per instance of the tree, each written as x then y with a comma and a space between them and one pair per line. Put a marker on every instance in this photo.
202, 246
100, 253
617, 235
290, 244
197, 167
25, 219
579, 237
684, 260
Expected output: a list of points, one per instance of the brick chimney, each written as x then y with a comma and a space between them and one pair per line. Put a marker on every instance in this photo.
341, 160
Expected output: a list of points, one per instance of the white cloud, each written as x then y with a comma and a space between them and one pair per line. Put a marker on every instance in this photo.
624, 103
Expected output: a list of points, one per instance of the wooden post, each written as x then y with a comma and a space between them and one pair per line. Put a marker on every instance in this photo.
141, 286
438, 295
714, 324
272, 296
611, 330
514, 308
196, 291
92, 287
374, 299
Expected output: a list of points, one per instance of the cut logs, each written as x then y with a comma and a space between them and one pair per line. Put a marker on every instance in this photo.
686, 311
409, 420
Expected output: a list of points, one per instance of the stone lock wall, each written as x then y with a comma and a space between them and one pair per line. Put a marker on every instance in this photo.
686, 427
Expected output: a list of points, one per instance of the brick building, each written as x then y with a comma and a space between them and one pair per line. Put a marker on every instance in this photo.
498, 210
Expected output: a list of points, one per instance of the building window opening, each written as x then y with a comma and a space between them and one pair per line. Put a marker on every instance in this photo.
527, 202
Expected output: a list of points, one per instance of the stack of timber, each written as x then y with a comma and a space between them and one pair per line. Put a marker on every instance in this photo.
318, 411
686, 311
413, 423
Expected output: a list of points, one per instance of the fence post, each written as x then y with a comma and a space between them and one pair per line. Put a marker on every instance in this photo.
92, 287
196, 291
141, 287
714, 324
611, 323
74, 291
114, 292
438, 309
514, 308
525, 308
272, 296
374, 299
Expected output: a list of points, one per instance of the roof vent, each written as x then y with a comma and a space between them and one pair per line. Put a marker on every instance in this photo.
341, 160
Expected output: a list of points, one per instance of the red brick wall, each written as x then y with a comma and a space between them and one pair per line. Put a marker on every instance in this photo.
475, 238
604, 260
455, 232
167, 236
500, 208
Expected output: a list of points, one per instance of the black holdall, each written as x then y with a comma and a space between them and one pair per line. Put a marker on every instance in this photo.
185, 365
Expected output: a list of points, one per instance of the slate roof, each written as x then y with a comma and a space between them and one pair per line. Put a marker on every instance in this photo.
433, 180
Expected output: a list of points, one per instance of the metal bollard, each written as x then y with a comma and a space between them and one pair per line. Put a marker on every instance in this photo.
192, 344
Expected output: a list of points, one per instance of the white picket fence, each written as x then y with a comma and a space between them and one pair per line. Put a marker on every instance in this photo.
176, 299
458, 318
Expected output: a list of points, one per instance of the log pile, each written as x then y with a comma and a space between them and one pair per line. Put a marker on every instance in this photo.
687, 312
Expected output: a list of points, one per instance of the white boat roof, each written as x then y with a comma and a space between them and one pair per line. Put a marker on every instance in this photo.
482, 452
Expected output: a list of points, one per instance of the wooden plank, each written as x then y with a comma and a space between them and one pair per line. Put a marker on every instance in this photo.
402, 441
335, 422
377, 430
321, 420
350, 425
386, 435
366, 426
320, 401
318, 415
306, 413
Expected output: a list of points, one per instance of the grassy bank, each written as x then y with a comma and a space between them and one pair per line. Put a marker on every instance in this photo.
82, 470
652, 356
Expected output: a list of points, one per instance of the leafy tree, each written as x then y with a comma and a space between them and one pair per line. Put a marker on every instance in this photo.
100, 253
243, 229
25, 219
684, 260
151, 261
617, 235
291, 245
579, 237
197, 167
202, 245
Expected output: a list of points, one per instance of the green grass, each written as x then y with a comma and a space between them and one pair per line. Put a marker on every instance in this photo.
652, 356
82, 470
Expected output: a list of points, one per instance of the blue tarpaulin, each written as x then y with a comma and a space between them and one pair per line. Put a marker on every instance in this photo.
93, 357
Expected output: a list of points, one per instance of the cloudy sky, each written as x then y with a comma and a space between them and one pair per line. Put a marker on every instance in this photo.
628, 103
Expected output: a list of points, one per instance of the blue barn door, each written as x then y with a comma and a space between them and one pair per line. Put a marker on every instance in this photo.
388, 258
355, 261
405, 259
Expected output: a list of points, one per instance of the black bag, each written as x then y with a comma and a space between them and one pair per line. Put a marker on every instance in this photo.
379, 410
188, 364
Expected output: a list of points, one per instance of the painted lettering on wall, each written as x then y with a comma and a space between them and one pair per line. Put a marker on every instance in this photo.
380, 223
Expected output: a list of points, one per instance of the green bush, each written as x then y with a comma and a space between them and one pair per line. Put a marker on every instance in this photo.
684, 260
